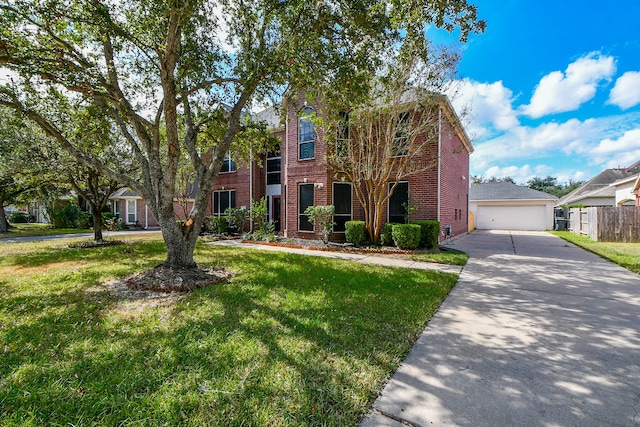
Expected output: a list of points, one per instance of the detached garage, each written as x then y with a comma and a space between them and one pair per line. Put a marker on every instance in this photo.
506, 206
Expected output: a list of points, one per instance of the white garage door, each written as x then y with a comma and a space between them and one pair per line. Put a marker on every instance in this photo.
511, 217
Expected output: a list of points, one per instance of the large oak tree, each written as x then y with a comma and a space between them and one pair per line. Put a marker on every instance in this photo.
177, 75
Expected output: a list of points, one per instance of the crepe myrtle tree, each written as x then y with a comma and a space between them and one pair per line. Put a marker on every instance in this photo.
387, 134
178, 76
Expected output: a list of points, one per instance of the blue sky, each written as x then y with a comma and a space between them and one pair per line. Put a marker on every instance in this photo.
552, 88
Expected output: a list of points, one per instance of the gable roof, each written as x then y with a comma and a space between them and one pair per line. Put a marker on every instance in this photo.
506, 191
125, 193
600, 185
272, 116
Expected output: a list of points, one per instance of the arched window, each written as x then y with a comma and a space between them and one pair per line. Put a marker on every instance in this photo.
306, 135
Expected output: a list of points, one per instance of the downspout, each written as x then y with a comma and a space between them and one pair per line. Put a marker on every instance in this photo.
251, 186
146, 216
283, 194
439, 156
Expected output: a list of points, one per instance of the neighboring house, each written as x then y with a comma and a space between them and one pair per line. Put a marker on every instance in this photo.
599, 191
626, 191
297, 177
131, 208
506, 206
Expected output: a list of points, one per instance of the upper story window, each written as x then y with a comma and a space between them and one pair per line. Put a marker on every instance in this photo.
401, 141
228, 165
306, 135
273, 169
343, 137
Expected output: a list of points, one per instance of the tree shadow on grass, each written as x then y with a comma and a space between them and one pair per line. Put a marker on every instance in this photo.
291, 340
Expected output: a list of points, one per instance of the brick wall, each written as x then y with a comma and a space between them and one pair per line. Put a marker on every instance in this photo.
296, 172
452, 177
454, 180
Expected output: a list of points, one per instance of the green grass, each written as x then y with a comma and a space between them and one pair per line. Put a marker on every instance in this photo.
626, 255
290, 340
27, 230
449, 256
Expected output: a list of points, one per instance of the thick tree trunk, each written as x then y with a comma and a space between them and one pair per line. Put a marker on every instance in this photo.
97, 225
4, 224
180, 240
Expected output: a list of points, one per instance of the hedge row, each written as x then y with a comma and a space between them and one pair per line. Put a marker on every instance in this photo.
422, 233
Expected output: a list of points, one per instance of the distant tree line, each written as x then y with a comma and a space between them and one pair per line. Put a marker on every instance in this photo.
548, 185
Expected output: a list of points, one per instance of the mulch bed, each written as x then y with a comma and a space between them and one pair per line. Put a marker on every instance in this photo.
93, 244
333, 247
165, 279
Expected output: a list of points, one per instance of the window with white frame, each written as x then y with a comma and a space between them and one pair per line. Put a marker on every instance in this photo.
398, 202
305, 199
228, 165
342, 202
222, 200
306, 135
131, 211
116, 208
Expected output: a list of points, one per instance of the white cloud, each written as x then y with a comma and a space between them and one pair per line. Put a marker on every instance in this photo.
559, 92
528, 142
626, 92
488, 105
620, 152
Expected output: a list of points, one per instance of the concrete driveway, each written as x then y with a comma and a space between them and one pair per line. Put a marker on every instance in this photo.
537, 333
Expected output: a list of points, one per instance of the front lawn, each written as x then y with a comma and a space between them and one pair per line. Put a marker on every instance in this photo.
448, 256
290, 340
626, 255
34, 229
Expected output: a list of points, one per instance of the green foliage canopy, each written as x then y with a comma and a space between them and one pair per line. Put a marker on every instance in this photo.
178, 76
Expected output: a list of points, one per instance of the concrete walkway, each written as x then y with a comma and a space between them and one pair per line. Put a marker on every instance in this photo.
537, 333
362, 258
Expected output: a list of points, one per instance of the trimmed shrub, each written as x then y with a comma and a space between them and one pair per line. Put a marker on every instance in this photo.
406, 236
218, 224
386, 238
429, 233
322, 219
355, 232
20, 217
236, 219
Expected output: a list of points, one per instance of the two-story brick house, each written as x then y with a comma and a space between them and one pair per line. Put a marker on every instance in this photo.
298, 177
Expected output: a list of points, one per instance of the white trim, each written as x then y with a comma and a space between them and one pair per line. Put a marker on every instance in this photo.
135, 211
213, 206
227, 156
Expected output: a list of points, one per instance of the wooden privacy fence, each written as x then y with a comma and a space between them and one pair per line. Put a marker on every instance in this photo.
607, 224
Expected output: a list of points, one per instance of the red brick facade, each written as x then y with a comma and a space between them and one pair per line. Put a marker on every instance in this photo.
441, 192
